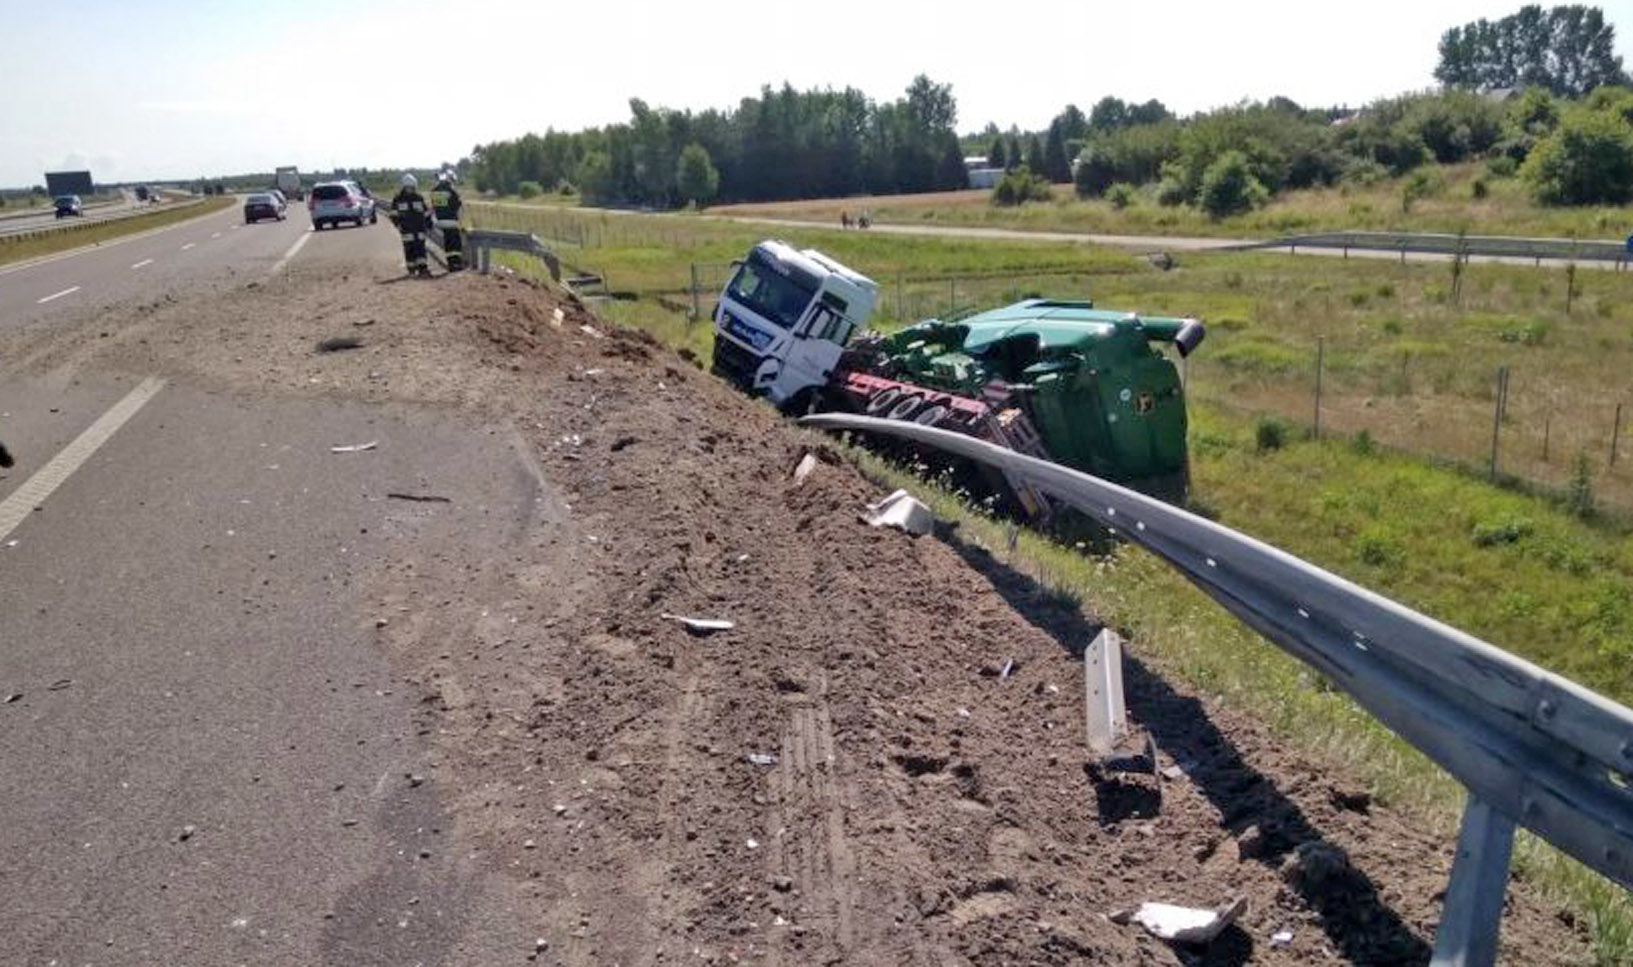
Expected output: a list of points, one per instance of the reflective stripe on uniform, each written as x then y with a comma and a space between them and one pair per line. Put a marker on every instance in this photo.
447, 223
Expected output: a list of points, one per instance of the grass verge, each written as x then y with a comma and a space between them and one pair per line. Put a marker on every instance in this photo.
92, 233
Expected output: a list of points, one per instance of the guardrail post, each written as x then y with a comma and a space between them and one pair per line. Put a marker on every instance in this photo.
1320, 364
1103, 691
1472, 914
1615, 434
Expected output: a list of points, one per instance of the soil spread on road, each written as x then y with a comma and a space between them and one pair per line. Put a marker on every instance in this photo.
846, 776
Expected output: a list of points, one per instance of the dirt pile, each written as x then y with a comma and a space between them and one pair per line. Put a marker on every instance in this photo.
845, 777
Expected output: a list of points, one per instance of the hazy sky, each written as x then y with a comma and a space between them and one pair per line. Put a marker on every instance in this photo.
167, 89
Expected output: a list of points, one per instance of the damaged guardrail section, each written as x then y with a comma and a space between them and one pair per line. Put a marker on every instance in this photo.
1532, 748
484, 240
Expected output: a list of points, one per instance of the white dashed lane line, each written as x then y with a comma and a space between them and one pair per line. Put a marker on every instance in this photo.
57, 295
142, 263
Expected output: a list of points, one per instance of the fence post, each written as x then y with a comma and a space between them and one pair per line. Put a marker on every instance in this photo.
1570, 286
1547, 426
1615, 434
1497, 416
1320, 362
697, 312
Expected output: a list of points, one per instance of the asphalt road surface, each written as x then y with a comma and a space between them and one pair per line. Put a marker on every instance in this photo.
207, 757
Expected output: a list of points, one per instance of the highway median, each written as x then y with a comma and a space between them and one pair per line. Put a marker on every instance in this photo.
18, 248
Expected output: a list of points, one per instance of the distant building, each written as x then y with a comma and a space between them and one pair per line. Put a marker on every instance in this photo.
981, 174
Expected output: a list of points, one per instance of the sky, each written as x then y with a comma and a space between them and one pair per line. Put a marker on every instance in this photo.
166, 89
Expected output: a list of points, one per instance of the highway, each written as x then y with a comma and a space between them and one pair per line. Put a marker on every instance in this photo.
18, 222
209, 757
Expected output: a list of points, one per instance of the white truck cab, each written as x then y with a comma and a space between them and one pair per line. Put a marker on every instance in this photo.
784, 318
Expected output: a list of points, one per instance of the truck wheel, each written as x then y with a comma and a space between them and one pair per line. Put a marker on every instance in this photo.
931, 416
882, 400
905, 408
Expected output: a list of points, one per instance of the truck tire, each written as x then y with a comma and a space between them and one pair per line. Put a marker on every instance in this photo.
882, 400
905, 407
931, 415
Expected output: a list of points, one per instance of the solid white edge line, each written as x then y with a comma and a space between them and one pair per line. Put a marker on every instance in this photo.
57, 295
142, 263
278, 265
17, 507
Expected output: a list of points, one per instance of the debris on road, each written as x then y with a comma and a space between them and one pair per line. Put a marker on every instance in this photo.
1281, 938
335, 344
59, 684
186, 833
700, 626
421, 498
355, 447
762, 758
14, 696
902, 511
1191, 925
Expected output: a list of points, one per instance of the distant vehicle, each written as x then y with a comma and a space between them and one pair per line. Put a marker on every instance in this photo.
333, 202
262, 205
69, 205
282, 198
289, 182
142, 193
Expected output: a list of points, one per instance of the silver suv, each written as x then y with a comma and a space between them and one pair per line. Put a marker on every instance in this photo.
333, 202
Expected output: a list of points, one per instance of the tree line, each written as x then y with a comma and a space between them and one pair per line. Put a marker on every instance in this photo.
781, 144
1540, 93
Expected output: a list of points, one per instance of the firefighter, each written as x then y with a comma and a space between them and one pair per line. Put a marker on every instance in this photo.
445, 206
413, 218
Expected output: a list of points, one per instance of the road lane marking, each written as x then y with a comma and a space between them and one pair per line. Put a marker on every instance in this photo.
11, 267
188, 246
277, 266
142, 263
57, 295
16, 508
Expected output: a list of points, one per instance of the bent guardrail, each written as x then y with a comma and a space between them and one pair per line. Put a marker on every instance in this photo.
1481, 246
485, 240
1532, 748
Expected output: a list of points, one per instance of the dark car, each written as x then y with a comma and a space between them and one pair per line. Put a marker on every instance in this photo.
69, 205
259, 206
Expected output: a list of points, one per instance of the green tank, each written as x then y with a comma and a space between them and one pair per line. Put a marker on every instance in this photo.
1100, 395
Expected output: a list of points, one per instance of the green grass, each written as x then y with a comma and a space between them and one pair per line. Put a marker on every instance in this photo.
1507, 210
1513, 568
90, 233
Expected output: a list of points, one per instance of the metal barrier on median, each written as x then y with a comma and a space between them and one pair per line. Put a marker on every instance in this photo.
1483, 246
483, 241
1532, 748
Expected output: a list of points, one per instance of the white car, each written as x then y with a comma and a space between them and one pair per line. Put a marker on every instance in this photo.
333, 202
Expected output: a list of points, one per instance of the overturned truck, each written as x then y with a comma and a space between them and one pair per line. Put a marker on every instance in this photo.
1065, 381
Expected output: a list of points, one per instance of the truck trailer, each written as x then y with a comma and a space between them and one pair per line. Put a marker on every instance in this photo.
1064, 380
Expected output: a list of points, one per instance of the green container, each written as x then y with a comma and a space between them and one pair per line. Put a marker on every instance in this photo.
1103, 397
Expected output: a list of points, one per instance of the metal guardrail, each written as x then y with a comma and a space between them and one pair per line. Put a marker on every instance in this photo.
485, 240
1532, 748
1484, 246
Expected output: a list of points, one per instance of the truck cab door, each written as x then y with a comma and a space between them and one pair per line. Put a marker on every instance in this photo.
813, 352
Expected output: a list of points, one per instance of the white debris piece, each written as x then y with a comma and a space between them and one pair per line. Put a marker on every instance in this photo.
1188, 924
1281, 938
557, 317
807, 464
701, 625
355, 447
901, 511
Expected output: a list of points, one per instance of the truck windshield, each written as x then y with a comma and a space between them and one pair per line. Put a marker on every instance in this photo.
778, 297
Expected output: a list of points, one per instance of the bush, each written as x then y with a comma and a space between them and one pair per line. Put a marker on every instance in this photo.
1363, 444
1422, 183
1502, 166
1121, 195
1021, 186
1229, 187
1479, 189
1378, 548
1171, 193
1133, 154
1362, 172
1508, 531
530, 189
1269, 434
1579, 492
1588, 161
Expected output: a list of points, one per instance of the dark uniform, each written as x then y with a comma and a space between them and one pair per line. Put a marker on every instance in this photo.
5, 456
413, 218
445, 206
